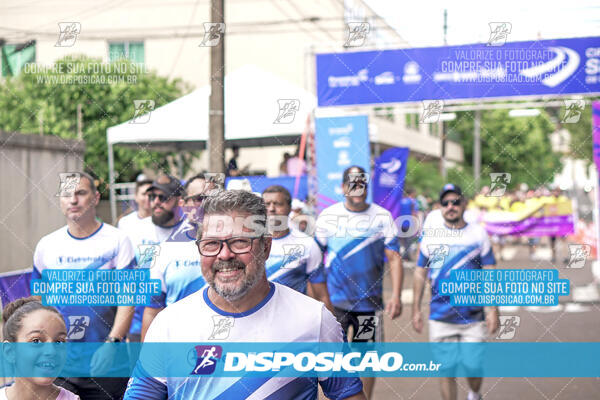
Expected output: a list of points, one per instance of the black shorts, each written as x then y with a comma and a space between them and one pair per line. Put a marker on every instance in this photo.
364, 326
95, 388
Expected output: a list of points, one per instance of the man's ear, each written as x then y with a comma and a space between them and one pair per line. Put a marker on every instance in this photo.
267, 248
96, 198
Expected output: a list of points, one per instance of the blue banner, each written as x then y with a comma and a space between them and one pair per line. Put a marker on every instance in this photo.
388, 179
269, 359
544, 67
340, 143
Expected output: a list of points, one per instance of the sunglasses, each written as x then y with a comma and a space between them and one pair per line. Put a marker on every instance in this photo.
455, 202
161, 197
199, 198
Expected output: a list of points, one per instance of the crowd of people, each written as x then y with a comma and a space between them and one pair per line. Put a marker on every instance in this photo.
265, 281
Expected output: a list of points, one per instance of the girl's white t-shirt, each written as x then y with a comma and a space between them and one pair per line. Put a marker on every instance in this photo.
63, 395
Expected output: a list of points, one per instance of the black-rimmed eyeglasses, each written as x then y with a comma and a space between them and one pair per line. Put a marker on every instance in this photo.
237, 245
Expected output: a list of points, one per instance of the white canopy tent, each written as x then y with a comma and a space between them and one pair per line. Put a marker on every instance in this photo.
252, 101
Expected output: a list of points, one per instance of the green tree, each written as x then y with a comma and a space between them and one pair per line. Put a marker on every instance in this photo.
581, 146
519, 146
49, 96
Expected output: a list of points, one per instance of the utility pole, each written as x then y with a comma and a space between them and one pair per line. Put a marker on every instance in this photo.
477, 149
445, 26
441, 127
216, 117
79, 122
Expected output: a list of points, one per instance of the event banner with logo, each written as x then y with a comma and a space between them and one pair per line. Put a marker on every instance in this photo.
485, 70
190, 362
388, 179
340, 143
545, 217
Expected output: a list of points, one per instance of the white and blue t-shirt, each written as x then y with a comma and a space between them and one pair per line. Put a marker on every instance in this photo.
446, 249
130, 222
295, 259
146, 238
355, 244
195, 319
178, 267
106, 248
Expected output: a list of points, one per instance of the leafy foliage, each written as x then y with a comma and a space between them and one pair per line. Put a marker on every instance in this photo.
48, 98
519, 146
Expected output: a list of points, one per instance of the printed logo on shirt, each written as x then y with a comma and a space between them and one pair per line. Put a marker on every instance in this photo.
207, 358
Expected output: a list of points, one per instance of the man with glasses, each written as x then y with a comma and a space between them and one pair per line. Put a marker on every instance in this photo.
356, 237
454, 244
178, 264
239, 305
166, 222
295, 259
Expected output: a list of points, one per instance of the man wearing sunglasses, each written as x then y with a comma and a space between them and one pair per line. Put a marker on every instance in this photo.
454, 244
164, 195
178, 264
239, 305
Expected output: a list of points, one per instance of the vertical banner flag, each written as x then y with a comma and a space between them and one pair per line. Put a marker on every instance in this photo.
388, 179
596, 132
596, 151
340, 143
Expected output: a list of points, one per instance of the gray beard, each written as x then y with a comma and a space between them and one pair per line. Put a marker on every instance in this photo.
236, 294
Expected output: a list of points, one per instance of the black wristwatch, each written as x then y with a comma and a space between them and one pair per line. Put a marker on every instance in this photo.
112, 339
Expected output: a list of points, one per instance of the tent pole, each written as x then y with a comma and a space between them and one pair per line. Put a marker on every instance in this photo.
111, 184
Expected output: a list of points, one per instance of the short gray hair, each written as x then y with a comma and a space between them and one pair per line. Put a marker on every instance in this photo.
228, 201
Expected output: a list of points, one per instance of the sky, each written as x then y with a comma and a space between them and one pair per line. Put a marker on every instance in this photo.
420, 23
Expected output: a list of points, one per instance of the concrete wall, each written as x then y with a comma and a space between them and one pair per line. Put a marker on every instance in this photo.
29, 181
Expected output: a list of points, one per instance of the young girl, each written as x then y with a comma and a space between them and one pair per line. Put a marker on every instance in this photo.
27, 320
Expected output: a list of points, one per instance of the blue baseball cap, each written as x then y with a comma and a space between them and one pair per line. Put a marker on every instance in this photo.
450, 187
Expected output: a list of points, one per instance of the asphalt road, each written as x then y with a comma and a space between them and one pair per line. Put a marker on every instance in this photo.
576, 319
